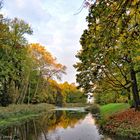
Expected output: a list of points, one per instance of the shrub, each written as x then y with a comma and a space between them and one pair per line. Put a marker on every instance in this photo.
94, 109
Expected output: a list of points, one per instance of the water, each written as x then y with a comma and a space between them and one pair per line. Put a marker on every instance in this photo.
84, 129
60, 124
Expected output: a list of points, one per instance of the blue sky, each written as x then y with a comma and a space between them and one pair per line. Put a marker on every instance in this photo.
55, 26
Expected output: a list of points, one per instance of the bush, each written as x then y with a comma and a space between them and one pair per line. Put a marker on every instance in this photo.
131, 103
94, 109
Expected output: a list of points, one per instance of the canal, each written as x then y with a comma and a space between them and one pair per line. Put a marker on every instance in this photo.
59, 124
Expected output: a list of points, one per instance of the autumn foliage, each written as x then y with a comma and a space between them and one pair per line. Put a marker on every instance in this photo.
45, 62
126, 123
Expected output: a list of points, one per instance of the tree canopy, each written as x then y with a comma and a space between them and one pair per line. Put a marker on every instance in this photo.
109, 58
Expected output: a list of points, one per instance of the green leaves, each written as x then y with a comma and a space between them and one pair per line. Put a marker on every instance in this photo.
12, 54
112, 38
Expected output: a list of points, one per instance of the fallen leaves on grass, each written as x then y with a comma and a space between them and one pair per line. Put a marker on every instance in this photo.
126, 123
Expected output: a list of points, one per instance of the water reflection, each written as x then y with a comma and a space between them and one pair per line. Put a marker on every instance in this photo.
39, 129
57, 125
82, 130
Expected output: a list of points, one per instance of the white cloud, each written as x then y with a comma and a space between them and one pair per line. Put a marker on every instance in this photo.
20, 3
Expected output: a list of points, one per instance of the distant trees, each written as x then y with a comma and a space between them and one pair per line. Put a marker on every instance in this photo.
59, 93
109, 58
25, 69
28, 72
72, 94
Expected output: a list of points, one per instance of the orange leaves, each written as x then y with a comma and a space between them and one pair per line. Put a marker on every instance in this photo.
42, 54
127, 121
45, 61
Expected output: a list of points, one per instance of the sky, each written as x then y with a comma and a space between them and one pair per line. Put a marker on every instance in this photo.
55, 25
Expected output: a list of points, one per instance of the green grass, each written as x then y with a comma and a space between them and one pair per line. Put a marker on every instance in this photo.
110, 109
15, 114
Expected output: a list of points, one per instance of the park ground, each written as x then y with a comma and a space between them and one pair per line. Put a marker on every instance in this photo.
119, 119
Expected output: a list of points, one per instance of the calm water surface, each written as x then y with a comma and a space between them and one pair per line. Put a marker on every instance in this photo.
60, 124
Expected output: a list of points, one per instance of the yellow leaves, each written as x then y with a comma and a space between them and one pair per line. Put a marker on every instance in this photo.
45, 61
134, 2
114, 6
37, 47
138, 50
54, 84
68, 86
60, 66
41, 53
98, 27
122, 37
137, 58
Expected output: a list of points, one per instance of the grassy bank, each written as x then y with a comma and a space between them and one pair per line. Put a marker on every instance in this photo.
126, 123
119, 119
112, 108
107, 110
14, 114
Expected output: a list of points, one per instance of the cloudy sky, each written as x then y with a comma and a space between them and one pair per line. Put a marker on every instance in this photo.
55, 26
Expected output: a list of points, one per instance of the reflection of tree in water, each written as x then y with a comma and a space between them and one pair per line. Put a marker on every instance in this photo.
38, 128
66, 118
57, 138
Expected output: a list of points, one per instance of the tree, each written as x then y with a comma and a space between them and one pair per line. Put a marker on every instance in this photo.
110, 47
72, 94
12, 55
42, 68
26, 70
45, 62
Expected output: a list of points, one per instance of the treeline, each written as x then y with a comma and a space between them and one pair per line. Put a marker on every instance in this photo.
110, 56
27, 71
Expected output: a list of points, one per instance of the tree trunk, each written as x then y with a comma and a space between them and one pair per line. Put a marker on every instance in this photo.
29, 94
4, 98
134, 88
129, 94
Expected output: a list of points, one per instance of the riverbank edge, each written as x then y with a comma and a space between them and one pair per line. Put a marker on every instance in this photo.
16, 114
69, 105
109, 125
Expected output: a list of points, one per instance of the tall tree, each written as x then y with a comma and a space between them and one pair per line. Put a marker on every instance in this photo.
45, 62
110, 47
44, 68
12, 55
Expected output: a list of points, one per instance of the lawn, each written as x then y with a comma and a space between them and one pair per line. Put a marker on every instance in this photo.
110, 109
119, 119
